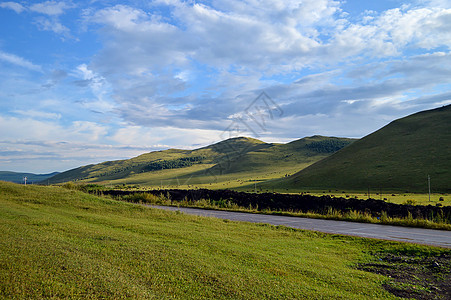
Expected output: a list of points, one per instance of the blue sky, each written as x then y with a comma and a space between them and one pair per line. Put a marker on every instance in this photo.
88, 81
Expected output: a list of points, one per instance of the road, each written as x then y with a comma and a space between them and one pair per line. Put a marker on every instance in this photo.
432, 237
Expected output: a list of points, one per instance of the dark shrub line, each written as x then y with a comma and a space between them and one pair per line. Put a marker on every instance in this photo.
302, 203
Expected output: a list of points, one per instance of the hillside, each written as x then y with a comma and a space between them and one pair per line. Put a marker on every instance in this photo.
397, 157
230, 163
18, 177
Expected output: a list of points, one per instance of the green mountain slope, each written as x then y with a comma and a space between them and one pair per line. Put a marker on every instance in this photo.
230, 163
398, 157
18, 177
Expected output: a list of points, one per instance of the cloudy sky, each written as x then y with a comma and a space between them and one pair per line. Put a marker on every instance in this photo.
87, 81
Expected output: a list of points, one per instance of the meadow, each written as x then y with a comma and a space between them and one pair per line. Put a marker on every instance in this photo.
59, 243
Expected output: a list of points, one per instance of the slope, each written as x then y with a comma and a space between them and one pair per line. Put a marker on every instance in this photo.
229, 163
397, 157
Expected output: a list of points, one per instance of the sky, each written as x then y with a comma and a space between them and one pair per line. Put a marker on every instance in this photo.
84, 82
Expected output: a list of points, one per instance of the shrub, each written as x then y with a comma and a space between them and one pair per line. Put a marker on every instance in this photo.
409, 202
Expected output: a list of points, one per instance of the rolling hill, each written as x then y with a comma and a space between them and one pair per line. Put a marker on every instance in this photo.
229, 163
397, 157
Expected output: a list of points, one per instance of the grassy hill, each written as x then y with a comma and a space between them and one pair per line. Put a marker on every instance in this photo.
230, 163
58, 243
397, 157
18, 177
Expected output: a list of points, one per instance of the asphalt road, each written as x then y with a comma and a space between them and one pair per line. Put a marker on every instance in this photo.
432, 237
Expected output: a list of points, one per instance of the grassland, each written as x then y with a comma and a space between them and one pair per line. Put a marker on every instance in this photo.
442, 199
58, 243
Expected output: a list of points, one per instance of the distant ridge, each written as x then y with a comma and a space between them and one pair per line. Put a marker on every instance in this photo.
17, 177
399, 156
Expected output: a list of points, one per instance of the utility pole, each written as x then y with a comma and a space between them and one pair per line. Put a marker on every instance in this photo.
429, 187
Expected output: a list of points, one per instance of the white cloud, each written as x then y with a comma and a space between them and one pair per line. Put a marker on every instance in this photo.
49, 156
230, 46
436, 3
257, 36
18, 61
425, 27
49, 19
90, 131
392, 32
50, 8
268, 36
160, 137
44, 146
170, 73
52, 25
17, 7
122, 17
27, 128
35, 114
99, 87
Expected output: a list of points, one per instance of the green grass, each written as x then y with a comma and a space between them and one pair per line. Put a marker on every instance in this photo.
397, 198
57, 243
398, 157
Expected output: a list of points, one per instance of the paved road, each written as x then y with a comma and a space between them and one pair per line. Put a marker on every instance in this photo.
438, 238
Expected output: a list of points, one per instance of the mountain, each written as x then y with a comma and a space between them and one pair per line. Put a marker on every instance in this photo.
230, 163
397, 157
19, 177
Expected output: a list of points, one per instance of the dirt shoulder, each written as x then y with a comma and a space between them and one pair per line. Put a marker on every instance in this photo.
413, 276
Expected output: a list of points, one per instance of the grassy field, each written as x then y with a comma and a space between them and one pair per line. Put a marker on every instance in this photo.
58, 243
196, 177
393, 197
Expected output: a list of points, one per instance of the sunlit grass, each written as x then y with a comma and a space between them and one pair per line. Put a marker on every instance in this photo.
57, 243
197, 176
